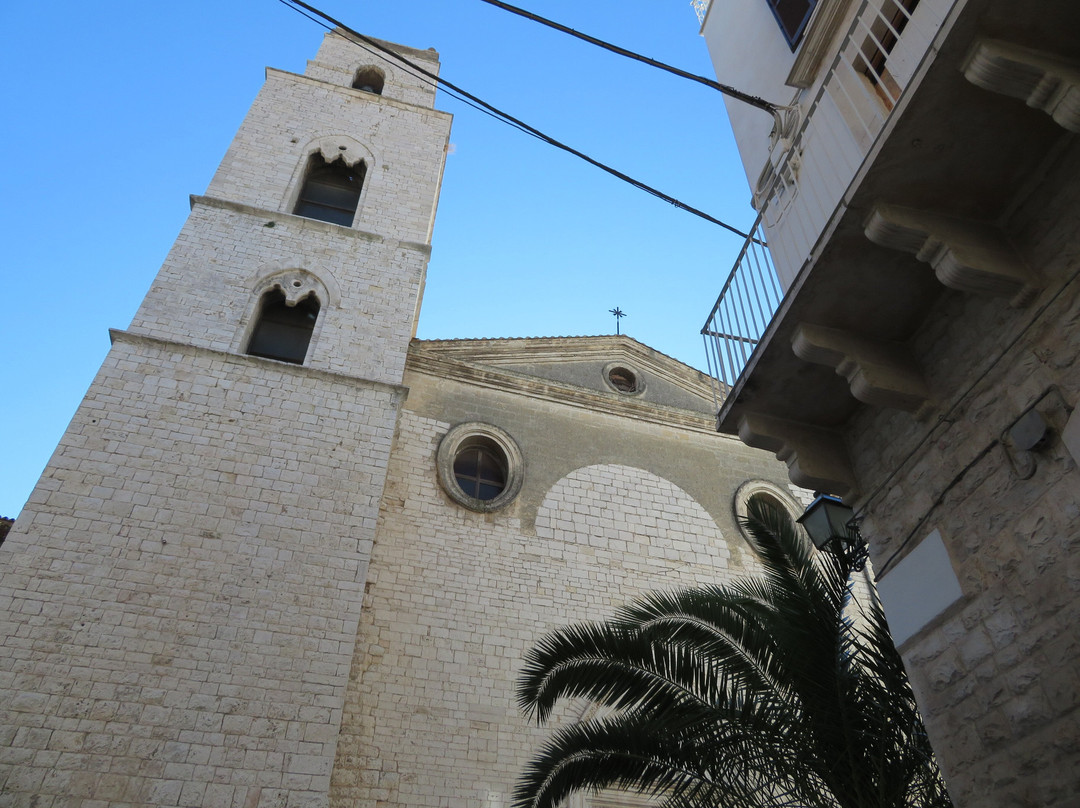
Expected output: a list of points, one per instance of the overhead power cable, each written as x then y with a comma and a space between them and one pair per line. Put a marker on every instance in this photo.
727, 90
370, 44
418, 72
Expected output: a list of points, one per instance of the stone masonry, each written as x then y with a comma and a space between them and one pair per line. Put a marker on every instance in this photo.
455, 598
996, 675
180, 598
181, 594
244, 583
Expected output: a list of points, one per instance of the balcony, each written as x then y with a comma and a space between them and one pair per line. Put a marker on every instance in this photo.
812, 165
911, 149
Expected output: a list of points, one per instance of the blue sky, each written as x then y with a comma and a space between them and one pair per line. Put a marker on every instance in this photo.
116, 112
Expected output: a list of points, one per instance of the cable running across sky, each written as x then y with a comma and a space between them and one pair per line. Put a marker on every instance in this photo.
746, 98
457, 92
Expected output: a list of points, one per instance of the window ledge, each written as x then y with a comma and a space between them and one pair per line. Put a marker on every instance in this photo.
819, 34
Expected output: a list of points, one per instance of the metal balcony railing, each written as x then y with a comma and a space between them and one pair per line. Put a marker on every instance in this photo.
747, 302
811, 166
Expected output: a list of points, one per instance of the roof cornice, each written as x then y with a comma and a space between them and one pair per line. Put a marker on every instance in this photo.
477, 362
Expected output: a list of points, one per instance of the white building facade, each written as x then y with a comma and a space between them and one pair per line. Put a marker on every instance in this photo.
907, 338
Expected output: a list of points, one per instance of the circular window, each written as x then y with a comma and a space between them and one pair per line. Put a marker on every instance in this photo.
623, 380
479, 466
763, 491
480, 469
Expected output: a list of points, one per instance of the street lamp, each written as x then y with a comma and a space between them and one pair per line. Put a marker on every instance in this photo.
832, 526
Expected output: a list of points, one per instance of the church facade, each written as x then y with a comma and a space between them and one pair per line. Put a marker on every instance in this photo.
286, 554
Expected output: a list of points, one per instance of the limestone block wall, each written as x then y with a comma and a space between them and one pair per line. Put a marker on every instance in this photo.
403, 146
339, 59
559, 439
996, 674
180, 598
635, 525
455, 598
207, 290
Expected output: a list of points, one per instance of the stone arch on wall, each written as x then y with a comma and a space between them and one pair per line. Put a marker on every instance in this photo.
648, 523
295, 284
369, 78
763, 489
332, 146
636, 515
391, 87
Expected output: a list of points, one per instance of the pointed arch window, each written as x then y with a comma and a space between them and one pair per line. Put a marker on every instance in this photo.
283, 332
331, 191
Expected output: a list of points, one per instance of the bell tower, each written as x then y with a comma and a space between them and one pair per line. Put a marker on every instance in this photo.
180, 596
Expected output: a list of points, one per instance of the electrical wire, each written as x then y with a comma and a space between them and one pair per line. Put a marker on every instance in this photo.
752, 100
478, 103
944, 419
887, 565
418, 73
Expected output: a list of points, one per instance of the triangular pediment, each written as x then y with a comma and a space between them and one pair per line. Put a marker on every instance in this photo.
600, 372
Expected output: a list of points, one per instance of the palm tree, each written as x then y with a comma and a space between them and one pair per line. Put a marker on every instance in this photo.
784, 689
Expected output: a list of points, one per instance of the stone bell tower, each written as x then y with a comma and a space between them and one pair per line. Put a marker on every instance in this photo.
181, 594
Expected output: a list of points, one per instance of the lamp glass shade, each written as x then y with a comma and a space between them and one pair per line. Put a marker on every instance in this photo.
825, 519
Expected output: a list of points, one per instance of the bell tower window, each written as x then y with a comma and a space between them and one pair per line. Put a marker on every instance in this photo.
369, 79
331, 191
283, 332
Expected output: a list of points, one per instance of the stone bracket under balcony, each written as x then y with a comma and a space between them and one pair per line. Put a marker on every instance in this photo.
1042, 80
815, 456
880, 373
967, 256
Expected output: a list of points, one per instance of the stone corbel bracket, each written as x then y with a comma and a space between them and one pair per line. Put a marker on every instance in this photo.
968, 256
880, 373
1041, 80
815, 456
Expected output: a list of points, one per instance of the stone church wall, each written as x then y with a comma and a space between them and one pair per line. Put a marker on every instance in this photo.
207, 289
456, 598
180, 600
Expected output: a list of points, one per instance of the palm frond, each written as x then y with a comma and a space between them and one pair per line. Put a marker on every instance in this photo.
640, 752
782, 689
724, 624
616, 668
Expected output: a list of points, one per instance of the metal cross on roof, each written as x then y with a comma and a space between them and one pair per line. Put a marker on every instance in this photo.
619, 314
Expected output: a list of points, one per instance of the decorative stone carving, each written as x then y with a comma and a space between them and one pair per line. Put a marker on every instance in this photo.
967, 256
1042, 80
341, 147
296, 285
815, 456
880, 373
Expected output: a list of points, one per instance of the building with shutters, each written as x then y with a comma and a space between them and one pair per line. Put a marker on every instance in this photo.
913, 279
